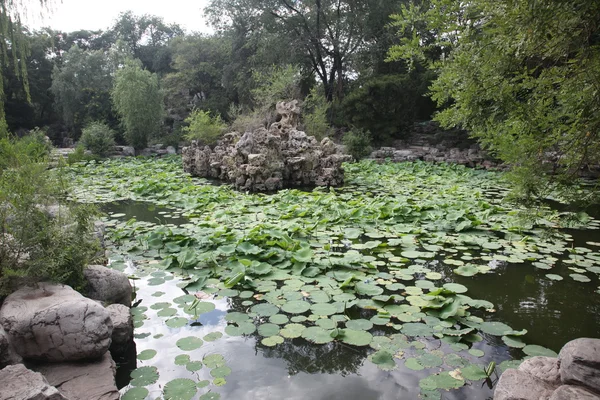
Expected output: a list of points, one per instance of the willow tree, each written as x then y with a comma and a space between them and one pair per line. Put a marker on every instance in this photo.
520, 75
14, 48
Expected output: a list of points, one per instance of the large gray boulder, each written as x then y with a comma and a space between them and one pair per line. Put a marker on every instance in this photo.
54, 323
8, 355
568, 392
580, 363
122, 334
19, 383
544, 368
107, 285
89, 380
519, 385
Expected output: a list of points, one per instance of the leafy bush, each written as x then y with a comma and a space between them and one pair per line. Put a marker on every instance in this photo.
79, 155
358, 143
36, 243
203, 127
33, 147
314, 114
98, 138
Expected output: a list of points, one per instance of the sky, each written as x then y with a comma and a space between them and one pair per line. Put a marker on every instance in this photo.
72, 15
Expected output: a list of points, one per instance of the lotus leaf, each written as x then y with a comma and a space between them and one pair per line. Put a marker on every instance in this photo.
136, 393
189, 343
180, 389
144, 376
146, 355
384, 360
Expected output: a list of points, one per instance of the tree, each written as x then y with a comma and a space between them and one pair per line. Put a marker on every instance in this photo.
520, 75
138, 100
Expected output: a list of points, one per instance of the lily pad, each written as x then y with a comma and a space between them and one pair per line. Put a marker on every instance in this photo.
292, 331
176, 322
265, 309
268, 329
272, 341
180, 389
317, 335
296, 307
136, 393
189, 343
144, 376
146, 354
220, 372
535, 350
384, 360
211, 337
356, 338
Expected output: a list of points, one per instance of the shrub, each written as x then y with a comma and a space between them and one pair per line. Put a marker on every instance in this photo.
314, 114
358, 143
203, 127
32, 147
79, 155
35, 245
98, 138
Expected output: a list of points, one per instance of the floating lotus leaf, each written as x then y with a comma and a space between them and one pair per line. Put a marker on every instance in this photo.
477, 352
211, 337
182, 359
167, 312
326, 323
228, 292
323, 309
454, 360
176, 322
359, 324
202, 384
466, 270
144, 376
268, 329
356, 337
473, 373
189, 343
440, 381
220, 372
296, 307
417, 329
194, 366
455, 287
384, 360
317, 335
272, 341
180, 389
187, 298
265, 309
513, 341
580, 278
292, 331
535, 350
367, 289
236, 317
200, 307
210, 396
136, 393
246, 294
160, 306
413, 363
279, 319
429, 360
214, 361
494, 328
146, 355
298, 318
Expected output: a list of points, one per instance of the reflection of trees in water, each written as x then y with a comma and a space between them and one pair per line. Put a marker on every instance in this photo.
126, 363
303, 356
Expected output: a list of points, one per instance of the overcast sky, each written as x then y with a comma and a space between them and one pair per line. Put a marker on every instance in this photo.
72, 15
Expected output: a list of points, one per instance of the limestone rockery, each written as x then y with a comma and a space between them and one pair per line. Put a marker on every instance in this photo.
269, 159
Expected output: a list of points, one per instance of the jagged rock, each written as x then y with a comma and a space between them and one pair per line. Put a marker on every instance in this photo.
268, 160
124, 151
55, 323
8, 356
20, 383
171, 150
568, 392
518, 385
107, 285
580, 363
544, 368
122, 334
86, 380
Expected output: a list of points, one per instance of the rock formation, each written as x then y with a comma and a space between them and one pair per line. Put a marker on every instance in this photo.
268, 160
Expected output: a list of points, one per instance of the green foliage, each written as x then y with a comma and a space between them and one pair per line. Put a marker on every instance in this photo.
79, 155
138, 100
98, 138
203, 127
358, 143
387, 105
31, 148
41, 237
520, 76
314, 114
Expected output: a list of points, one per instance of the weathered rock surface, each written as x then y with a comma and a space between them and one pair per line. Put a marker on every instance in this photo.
268, 160
19, 383
8, 355
122, 334
518, 385
86, 380
544, 368
580, 363
569, 392
55, 323
107, 285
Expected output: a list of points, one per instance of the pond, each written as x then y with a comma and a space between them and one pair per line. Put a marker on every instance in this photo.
408, 282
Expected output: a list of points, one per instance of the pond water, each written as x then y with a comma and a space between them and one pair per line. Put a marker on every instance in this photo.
407, 283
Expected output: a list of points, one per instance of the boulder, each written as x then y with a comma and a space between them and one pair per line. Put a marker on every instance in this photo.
19, 383
171, 150
568, 392
544, 368
580, 363
122, 334
8, 355
518, 385
87, 380
107, 285
55, 323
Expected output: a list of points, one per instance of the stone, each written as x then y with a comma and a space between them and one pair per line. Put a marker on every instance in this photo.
122, 334
544, 368
128, 151
107, 285
269, 159
569, 392
518, 385
20, 383
54, 323
580, 363
86, 380
8, 355
171, 150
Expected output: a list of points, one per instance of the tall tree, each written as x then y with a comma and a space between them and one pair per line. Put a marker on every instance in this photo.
520, 75
138, 100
